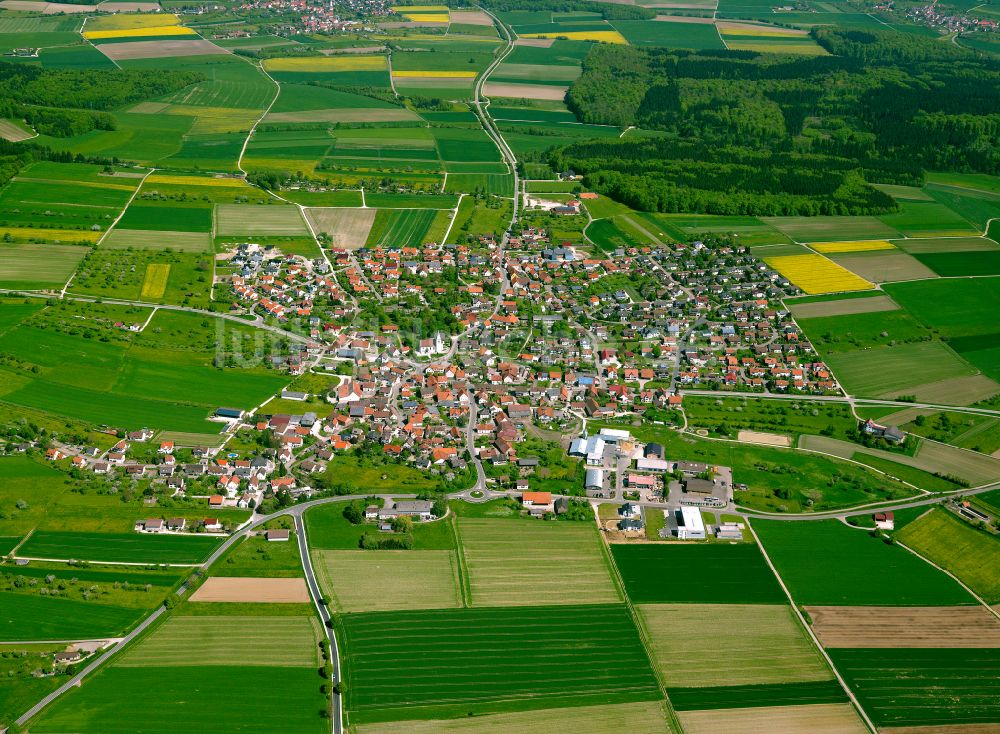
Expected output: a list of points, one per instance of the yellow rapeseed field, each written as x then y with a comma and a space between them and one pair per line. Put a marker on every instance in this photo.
427, 17
154, 285
62, 235
603, 36
159, 30
420, 8
855, 246
327, 63
166, 178
118, 21
760, 31
434, 74
815, 274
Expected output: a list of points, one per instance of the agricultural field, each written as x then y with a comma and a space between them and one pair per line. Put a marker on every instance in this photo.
971, 554
489, 547
405, 227
760, 644
904, 627
835, 718
816, 274
941, 688
236, 219
448, 663
38, 266
118, 547
828, 563
728, 574
380, 581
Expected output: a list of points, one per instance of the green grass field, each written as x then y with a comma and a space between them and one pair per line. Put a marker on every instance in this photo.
378, 581
893, 370
933, 688
33, 617
972, 555
726, 574
171, 700
757, 696
505, 566
30, 266
235, 219
287, 642
450, 663
328, 529
828, 563
122, 547
256, 557
400, 227
730, 645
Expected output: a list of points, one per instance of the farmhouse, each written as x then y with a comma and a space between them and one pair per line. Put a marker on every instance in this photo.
153, 525
884, 520
537, 503
420, 509
277, 536
892, 434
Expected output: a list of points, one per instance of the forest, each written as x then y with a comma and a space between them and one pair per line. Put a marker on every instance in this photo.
765, 134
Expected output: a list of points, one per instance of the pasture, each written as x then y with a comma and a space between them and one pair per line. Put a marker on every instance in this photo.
903, 627
730, 644
291, 642
450, 663
829, 718
923, 687
399, 227
119, 547
33, 617
502, 558
645, 717
378, 581
38, 266
727, 574
260, 221
972, 555
827, 563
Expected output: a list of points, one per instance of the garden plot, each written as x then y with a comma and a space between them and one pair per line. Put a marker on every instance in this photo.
730, 644
901, 627
346, 228
835, 718
513, 563
237, 219
842, 307
256, 590
228, 640
369, 581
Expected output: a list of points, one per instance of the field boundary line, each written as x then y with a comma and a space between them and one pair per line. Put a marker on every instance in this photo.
672, 718
454, 216
945, 571
812, 635
253, 128
465, 582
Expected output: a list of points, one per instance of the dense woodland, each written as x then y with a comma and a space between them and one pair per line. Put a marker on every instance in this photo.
741, 132
66, 102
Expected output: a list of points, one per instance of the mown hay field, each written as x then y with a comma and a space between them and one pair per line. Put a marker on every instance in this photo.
154, 285
896, 627
645, 717
832, 718
346, 227
730, 644
228, 640
512, 563
237, 219
894, 370
123, 239
816, 274
363, 581
327, 63
972, 555
28, 266
245, 589
826, 248
447, 663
